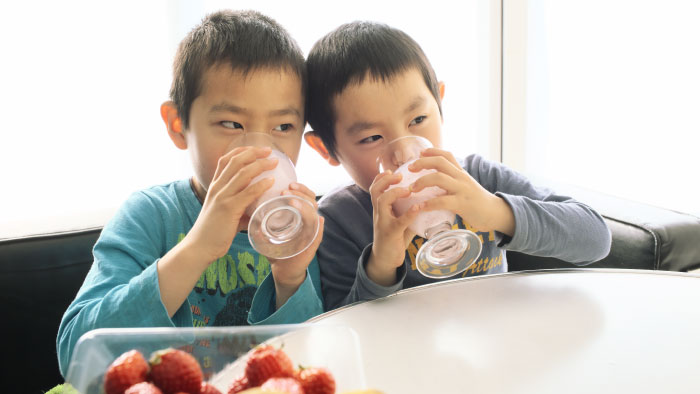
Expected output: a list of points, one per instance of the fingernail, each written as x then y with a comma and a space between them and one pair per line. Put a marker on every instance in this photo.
294, 185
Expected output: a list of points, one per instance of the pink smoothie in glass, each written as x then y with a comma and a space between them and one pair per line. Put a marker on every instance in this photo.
283, 174
424, 220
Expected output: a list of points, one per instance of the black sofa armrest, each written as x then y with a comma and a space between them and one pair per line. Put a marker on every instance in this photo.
39, 277
643, 236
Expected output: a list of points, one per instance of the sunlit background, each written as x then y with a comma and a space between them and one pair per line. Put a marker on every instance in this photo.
601, 94
605, 94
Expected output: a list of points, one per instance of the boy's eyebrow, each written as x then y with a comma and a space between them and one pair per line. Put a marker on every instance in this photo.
225, 107
417, 102
286, 111
360, 126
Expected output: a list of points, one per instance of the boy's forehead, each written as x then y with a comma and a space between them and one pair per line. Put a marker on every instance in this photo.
273, 83
374, 95
262, 92
215, 73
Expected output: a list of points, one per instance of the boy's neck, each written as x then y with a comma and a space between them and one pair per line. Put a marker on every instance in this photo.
198, 190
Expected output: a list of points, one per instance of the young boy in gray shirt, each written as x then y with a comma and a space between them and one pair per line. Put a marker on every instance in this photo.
370, 84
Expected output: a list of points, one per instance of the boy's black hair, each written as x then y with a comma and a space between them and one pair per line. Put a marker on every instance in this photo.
348, 55
244, 40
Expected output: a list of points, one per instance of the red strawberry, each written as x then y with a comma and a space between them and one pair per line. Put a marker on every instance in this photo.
127, 370
267, 362
174, 370
317, 380
143, 388
239, 384
285, 385
208, 389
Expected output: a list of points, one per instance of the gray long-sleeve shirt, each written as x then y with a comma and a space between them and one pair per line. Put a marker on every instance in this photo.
546, 224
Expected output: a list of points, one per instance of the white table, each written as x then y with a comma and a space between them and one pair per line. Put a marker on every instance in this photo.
555, 331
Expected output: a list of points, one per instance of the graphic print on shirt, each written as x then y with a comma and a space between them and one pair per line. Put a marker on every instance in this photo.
482, 265
224, 293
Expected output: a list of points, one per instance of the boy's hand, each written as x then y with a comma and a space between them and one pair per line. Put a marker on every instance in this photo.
464, 195
391, 233
228, 196
290, 273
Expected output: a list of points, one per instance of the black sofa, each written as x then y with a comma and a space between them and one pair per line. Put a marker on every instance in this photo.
40, 275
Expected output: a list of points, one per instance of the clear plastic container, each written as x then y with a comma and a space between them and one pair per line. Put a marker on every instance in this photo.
221, 351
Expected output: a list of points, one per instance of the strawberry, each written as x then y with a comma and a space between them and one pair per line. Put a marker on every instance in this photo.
174, 370
316, 380
267, 362
127, 370
143, 388
285, 385
208, 389
239, 384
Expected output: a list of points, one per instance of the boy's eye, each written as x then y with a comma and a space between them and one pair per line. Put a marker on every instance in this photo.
283, 127
231, 125
417, 120
370, 139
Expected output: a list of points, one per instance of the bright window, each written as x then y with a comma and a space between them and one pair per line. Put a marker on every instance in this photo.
82, 82
603, 94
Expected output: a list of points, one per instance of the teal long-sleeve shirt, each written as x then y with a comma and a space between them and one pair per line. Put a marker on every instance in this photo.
121, 289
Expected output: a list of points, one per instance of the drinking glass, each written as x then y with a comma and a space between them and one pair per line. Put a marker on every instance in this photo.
280, 226
447, 251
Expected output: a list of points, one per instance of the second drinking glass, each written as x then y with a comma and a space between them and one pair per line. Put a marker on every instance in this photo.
281, 226
446, 252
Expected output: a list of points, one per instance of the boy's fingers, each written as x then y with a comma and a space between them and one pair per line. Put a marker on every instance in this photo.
448, 202
249, 194
385, 179
439, 152
388, 198
305, 196
438, 163
242, 178
232, 162
382, 174
444, 182
300, 187
380, 184
407, 218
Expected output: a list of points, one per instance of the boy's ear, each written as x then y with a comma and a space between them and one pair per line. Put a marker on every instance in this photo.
441, 88
168, 111
315, 142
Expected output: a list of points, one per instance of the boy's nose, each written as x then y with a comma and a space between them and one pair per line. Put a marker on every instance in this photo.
400, 151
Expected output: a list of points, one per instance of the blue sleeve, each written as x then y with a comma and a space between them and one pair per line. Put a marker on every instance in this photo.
121, 289
304, 304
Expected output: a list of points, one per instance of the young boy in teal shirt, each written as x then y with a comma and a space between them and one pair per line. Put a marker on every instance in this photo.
370, 84
174, 254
